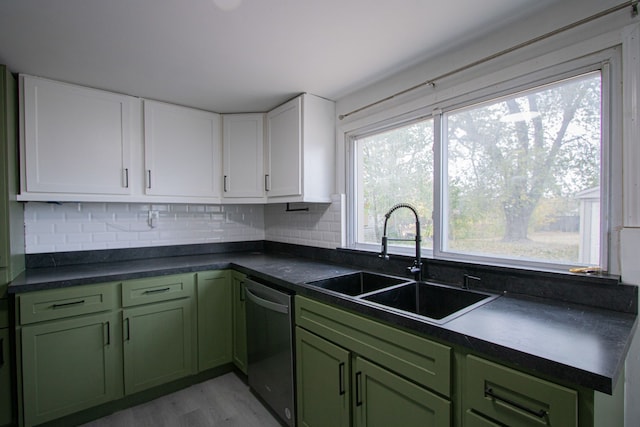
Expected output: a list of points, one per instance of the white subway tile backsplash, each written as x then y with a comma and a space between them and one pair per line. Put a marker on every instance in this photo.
88, 226
320, 226
96, 225
39, 227
67, 227
51, 239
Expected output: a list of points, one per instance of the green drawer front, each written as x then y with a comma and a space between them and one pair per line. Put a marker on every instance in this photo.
514, 398
421, 360
73, 301
4, 313
156, 289
472, 419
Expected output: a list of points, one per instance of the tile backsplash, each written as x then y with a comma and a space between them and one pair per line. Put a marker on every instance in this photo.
66, 227
321, 226
53, 227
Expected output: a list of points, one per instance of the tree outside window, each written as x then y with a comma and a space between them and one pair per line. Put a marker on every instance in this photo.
516, 170
520, 176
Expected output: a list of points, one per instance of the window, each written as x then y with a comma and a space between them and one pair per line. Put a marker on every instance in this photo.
515, 178
522, 175
393, 166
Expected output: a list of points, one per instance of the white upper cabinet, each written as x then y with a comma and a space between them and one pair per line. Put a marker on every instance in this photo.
243, 158
301, 150
181, 152
74, 140
86, 145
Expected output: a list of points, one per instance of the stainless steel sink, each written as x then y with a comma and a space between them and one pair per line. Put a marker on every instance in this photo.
438, 303
358, 283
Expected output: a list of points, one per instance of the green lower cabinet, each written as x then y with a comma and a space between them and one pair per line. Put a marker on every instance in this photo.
214, 319
509, 397
5, 379
383, 399
70, 365
334, 387
157, 344
473, 419
239, 324
323, 382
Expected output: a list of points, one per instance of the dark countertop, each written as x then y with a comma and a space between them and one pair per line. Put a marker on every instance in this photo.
572, 343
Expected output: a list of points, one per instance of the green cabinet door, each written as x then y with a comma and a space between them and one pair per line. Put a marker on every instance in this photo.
214, 319
5, 379
69, 365
383, 399
239, 322
323, 385
157, 344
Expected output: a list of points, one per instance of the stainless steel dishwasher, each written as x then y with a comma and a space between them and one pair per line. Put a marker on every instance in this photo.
270, 347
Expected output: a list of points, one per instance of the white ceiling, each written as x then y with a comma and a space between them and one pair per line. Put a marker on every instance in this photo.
211, 55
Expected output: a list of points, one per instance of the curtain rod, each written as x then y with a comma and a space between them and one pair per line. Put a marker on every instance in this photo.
432, 82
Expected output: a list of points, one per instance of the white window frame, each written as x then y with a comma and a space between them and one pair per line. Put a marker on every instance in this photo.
548, 69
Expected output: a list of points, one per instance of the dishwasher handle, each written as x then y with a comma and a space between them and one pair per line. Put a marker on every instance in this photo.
280, 308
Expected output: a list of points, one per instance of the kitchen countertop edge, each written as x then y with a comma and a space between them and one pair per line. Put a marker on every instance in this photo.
291, 272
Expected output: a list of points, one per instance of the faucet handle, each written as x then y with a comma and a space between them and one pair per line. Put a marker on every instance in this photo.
467, 277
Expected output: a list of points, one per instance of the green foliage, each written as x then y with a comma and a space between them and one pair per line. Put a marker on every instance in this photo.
513, 167
397, 166
521, 152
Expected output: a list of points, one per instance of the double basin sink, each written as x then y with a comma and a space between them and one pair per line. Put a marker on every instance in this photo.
426, 300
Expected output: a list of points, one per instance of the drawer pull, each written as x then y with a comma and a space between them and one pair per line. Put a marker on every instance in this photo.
341, 378
67, 304
156, 291
541, 413
358, 391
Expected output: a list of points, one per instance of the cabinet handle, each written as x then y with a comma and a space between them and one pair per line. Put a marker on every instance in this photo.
266, 182
341, 378
358, 391
242, 291
126, 177
541, 413
127, 331
1, 351
156, 291
108, 325
224, 185
148, 178
67, 304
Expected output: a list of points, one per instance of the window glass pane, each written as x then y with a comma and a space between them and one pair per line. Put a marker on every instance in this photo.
395, 166
523, 175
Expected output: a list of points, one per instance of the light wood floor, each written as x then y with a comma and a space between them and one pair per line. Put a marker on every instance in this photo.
222, 401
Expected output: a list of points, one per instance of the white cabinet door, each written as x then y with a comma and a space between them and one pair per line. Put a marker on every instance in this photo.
182, 151
74, 139
284, 153
301, 150
243, 154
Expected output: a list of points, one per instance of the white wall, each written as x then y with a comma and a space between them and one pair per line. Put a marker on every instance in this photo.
630, 244
617, 29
